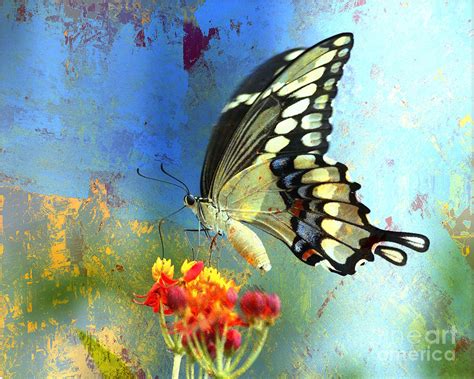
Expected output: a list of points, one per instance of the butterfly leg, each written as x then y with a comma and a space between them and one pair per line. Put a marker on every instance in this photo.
248, 245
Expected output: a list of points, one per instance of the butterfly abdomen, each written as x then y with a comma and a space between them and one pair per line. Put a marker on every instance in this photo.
247, 244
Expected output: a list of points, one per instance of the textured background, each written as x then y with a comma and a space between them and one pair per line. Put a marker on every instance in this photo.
90, 90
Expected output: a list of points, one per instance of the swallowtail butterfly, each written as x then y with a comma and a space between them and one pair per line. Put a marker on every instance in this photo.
265, 167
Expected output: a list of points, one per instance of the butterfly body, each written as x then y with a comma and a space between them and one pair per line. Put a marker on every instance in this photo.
242, 238
265, 167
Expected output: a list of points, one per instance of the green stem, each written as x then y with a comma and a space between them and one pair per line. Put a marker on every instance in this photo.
253, 355
164, 330
233, 363
176, 364
191, 370
201, 346
220, 342
189, 367
198, 354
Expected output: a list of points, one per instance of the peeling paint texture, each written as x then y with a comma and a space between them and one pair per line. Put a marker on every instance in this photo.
90, 90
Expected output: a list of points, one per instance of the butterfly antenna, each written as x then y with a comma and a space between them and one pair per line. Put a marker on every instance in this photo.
175, 178
161, 238
161, 181
160, 223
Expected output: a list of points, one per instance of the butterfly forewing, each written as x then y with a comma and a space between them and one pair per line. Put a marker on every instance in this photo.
236, 109
292, 114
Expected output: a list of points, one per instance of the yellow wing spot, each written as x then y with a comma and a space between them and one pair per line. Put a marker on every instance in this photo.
296, 108
326, 58
329, 84
311, 121
303, 162
332, 191
329, 174
349, 234
335, 67
286, 126
275, 144
310, 77
307, 91
311, 139
343, 53
344, 40
293, 55
336, 250
343, 211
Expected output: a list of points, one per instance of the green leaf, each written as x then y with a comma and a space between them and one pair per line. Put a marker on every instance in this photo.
108, 363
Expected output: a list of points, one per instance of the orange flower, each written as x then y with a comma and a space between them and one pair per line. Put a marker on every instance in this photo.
211, 300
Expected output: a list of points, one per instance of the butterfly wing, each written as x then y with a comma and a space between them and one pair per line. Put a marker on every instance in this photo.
271, 172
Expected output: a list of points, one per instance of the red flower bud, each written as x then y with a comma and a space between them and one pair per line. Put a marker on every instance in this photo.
273, 304
176, 299
231, 296
211, 348
233, 341
253, 304
194, 271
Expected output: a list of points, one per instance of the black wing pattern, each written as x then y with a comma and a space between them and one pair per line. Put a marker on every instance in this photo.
271, 172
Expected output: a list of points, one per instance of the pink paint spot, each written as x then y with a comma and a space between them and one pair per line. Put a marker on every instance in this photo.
352, 4
390, 225
356, 16
419, 204
194, 43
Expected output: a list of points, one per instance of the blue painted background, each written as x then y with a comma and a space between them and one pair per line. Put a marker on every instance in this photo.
92, 93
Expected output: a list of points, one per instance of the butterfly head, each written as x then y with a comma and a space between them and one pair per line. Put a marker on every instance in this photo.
190, 201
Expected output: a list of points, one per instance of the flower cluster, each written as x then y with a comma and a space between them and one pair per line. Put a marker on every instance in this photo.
207, 326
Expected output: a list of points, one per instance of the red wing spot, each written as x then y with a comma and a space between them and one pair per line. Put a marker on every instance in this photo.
308, 253
297, 207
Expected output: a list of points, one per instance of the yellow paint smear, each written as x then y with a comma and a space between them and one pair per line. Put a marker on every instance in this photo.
140, 228
31, 326
466, 119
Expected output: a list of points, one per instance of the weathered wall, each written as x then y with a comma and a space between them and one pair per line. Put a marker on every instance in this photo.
90, 90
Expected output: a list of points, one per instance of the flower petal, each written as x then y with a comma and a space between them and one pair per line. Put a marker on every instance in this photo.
194, 271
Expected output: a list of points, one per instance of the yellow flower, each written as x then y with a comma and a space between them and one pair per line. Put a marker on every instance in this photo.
162, 266
210, 278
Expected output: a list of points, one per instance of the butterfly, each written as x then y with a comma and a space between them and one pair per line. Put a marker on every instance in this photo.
265, 166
